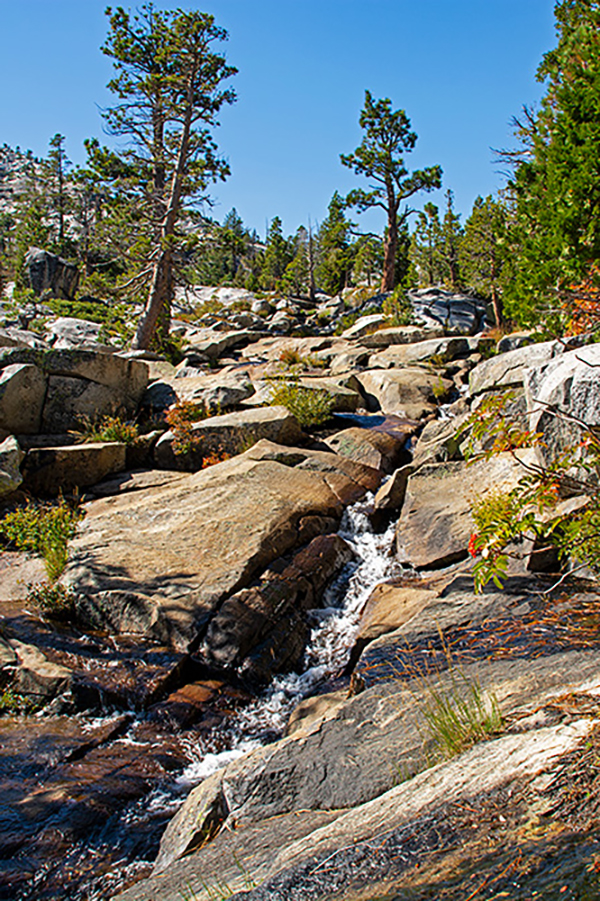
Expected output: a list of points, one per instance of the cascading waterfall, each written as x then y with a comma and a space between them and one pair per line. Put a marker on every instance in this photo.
332, 636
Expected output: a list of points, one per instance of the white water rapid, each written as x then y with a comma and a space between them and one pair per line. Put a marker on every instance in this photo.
331, 638
264, 720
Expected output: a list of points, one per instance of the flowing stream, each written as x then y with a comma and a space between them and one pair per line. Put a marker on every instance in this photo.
264, 719
331, 638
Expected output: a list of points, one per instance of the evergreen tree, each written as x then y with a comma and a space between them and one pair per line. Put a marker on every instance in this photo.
379, 157
450, 239
425, 247
296, 278
168, 84
54, 179
334, 250
483, 251
557, 180
368, 260
276, 258
31, 228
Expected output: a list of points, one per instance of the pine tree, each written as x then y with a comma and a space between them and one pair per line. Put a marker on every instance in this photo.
334, 250
425, 247
55, 178
276, 258
168, 84
557, 180
379, 157
483, 251
368, 260
450, 239
296, 278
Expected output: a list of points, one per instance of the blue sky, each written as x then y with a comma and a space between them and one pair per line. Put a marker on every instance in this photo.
460, 69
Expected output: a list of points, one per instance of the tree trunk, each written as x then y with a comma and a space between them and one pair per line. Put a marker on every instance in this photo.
158, 305
311, 265
389, 258
496, 299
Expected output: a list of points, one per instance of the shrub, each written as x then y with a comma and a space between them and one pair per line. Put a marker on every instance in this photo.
108, 428
55, 600
347, 320
309, 406
293, 359
45, 530
439, 389
113, 318
398, 308
13, 704
504, 519
214, 457
211, 307
240, 306
180, 418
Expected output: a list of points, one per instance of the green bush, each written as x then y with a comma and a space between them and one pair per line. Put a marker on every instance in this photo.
108, 428
530, 511
398, 308
347, 320
309, 406
114, 319
54, 600
14, 704
45, 530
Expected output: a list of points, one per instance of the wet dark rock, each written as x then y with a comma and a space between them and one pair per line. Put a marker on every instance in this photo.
264, 629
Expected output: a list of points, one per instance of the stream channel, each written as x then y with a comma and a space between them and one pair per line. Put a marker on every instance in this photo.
121, 851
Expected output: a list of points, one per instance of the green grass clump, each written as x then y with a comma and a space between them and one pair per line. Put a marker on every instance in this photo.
460, 715
45, 530
108, 428
309, 406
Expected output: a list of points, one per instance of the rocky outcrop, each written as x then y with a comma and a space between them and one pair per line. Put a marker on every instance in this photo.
563, 398
23, 388
508, 370
215, 391
228, 434
49, 391
11, 457
410, 392
51, 275
161, 562
436, 522
380, 450
50, 471
191, 591
328, 769
67, 332
264, 629
455, 313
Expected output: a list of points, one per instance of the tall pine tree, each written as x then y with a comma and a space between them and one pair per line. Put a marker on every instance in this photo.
557, 183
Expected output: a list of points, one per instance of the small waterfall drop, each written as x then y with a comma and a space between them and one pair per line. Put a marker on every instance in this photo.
331, 638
